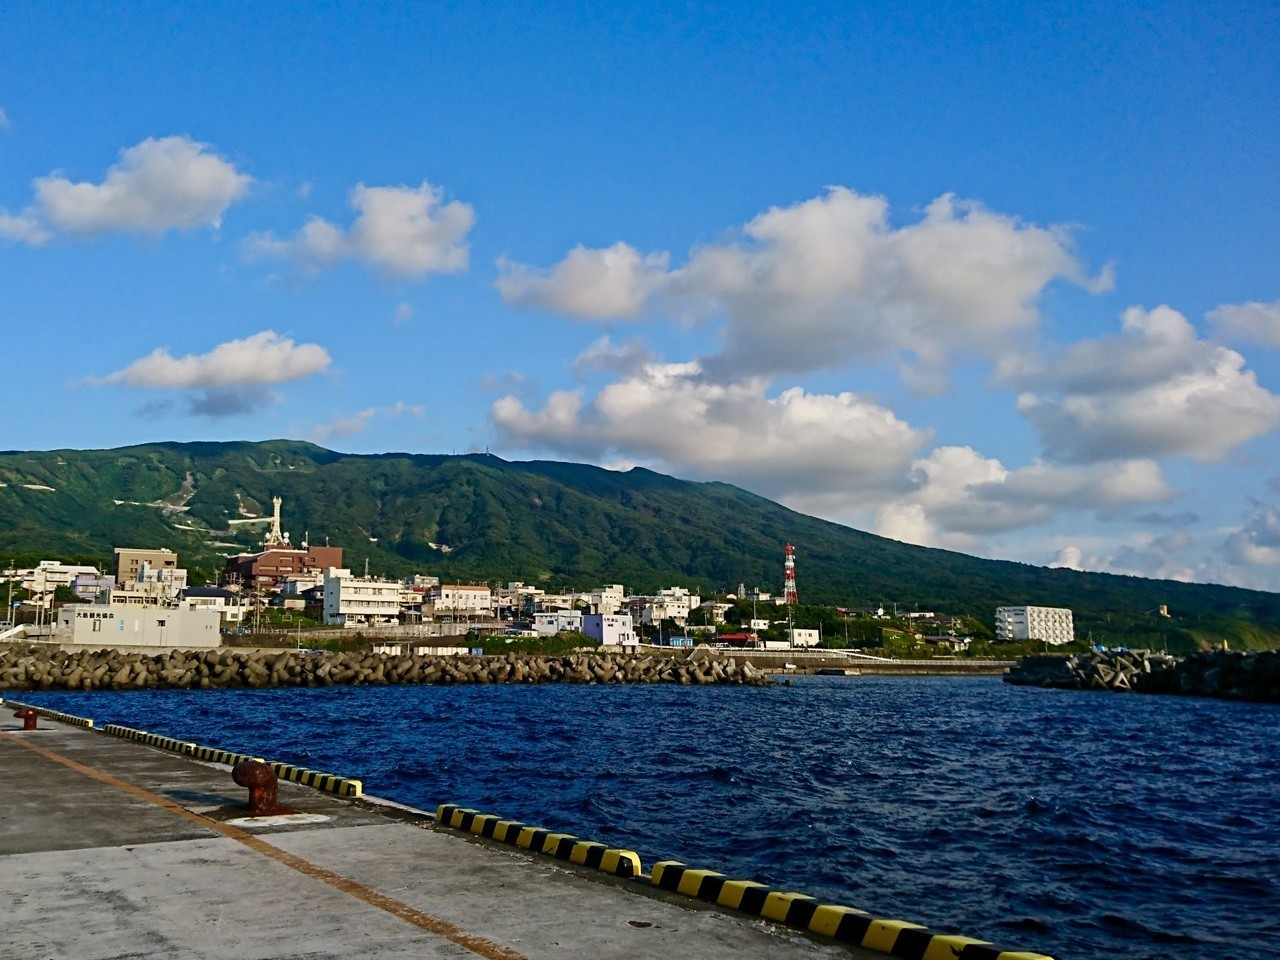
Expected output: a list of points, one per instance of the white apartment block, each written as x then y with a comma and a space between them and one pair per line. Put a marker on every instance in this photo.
46, 576
614, 630
549, 624
608, 599
458, 599
673, 603
359, 601
1052, 625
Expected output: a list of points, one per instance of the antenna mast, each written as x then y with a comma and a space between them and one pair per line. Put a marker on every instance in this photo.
789, 595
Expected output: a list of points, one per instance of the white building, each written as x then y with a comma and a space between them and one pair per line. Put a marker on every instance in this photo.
459, 599
99, 625
227, 604
1052, 625
611, 630
549, 624
359, 601
45, 577
673, 603
608, 599
805, 638
714, 610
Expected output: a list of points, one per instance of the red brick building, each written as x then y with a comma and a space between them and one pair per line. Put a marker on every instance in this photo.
268, 569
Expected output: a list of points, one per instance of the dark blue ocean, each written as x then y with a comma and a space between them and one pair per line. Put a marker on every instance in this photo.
1077, 824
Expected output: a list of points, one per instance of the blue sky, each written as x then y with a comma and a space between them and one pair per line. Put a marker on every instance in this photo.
1004, 281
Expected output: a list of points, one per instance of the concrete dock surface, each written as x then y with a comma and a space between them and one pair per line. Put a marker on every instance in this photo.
112, 849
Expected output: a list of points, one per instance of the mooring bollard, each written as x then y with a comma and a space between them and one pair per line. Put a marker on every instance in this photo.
264, 788
28, 718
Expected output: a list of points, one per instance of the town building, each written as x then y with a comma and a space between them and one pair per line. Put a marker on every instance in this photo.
608, 599
714, 610
92, 587
278, 560
359, 601
43, 580
227, 604
611, 630
271, 567
805, 638
549, 624
99, 625
1052, 625
131, 561
458, 600
672, 603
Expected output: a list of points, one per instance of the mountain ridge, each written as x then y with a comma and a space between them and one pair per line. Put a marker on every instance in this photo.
549, 522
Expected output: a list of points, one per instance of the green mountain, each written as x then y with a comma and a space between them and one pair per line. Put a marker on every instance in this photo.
480, 517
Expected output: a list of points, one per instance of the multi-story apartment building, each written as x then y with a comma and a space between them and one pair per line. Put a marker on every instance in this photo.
1052, 625
359, 601
458, 599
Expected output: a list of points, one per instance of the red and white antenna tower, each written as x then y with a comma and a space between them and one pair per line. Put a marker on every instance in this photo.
789, 595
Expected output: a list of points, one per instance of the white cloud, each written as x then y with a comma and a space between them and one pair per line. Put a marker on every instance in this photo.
402, 231
1160, 558
829, 281
604, 284
604, 354
669, 416
1153, 391
1249, 322
957, 496
23, 228
357, 422
403, 312
171, 183
4, 119
262, 359
1257, 543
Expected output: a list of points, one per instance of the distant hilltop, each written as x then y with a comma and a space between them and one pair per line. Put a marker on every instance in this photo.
479, 517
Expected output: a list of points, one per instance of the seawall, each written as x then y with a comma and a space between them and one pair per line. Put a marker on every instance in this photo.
1226, 674
28, 667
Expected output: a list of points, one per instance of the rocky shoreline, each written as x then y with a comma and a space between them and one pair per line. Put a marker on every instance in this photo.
1221, 673
30, 667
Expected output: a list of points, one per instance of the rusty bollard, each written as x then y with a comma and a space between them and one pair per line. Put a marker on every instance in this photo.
264, 788
28, 718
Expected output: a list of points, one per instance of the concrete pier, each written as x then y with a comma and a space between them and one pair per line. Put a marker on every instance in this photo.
110, 849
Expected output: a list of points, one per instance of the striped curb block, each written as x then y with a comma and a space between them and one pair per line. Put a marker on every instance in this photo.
317, 780
52, 714
898, 938
150, 739
562, 846
216, 755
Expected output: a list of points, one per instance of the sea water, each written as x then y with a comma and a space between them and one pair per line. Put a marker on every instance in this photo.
1075, 824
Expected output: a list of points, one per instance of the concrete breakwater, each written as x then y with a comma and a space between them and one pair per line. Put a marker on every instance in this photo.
29, 667
1228, 674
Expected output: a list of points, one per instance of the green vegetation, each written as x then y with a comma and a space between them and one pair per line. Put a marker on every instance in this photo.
560, 643
557, 525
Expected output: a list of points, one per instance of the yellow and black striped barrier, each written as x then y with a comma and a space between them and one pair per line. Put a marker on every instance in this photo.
217, 755
317, 780
51, 714
328, 782
907, 941
150, 739
562, 846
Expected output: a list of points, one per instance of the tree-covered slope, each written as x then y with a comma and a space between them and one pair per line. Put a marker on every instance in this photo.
551, 523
